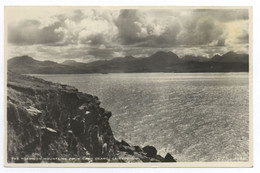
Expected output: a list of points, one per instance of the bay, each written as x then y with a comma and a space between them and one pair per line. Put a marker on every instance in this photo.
194, 116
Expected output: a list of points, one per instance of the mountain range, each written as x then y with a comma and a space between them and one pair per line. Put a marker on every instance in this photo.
158, 62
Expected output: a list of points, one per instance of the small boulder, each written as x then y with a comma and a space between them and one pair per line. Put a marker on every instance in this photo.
138, 149
150, 151
129, 151
169, 158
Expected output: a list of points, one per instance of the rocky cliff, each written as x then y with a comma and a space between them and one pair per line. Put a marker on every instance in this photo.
48, 122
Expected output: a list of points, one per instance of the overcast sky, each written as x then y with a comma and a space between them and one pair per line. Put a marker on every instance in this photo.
85, 34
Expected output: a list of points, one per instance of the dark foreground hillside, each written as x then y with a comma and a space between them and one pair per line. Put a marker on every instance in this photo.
49, 122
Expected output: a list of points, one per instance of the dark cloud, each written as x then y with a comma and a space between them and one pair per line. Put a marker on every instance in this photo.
130, 23
244, 37
201, 32
221, 42
30, 32
207, 31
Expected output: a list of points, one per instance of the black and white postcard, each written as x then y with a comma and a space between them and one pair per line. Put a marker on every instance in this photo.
127, 86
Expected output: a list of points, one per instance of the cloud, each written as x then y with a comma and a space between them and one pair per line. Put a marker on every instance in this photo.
169, 36
131, 26
137, 28
223, 15
77, 16
243, 37
221, 42
88, 27
88, 34
30, 32
101, 53
200, 31
167, 28
212, 26
236, 32
96, 32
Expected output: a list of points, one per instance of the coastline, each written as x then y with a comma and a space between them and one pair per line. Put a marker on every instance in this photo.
55, 121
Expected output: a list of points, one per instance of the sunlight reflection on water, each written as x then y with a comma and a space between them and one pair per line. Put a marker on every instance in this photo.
195, 117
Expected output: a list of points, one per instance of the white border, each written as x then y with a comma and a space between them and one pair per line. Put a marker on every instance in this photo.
256, 75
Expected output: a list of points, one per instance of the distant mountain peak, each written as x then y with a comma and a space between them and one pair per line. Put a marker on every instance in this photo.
24, 57
22, 60
171, 53
159, 53
49, 62
164, 54
231, 57
28, 65
69, 62
230, 53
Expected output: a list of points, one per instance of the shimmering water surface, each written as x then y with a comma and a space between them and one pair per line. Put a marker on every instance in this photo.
195, 117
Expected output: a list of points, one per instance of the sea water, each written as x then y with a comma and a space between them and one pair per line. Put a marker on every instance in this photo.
193, 116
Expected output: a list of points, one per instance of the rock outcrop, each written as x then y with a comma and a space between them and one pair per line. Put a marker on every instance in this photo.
50, 122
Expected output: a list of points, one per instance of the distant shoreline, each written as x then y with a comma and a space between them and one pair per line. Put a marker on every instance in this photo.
38, 74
